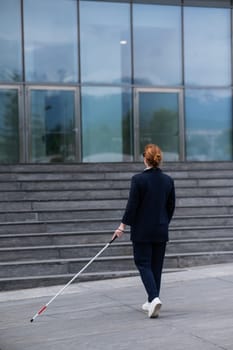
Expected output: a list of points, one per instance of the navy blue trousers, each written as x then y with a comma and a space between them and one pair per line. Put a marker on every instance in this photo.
148, 258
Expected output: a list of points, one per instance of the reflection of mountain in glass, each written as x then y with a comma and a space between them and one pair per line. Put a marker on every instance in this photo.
48, 69
106, 123
212, 114
209, 125
10, 61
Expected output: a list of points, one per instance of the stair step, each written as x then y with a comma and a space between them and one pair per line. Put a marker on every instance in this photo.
64, 266
62, 251
83, 213
41, 216
204, 201
190, 171
120, 167
63, 195
119, 248
110, 193
204, 258
82, 237
36, 239
110, 203
192, 185
201, 232
199, 245
106, 264
62, 204
106, 224
14, 283
200, 210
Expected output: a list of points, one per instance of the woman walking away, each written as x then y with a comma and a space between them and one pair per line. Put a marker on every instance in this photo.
149, 210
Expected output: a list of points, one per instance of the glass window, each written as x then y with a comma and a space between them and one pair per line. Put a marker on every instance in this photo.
208, 125
105, 42
213, 3
207, 46
157, 44
52, 125
51, 40
9, 126
106, 124
159, 122
10, 41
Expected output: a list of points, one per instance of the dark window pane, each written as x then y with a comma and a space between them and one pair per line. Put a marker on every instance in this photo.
52, 125
105, 42
207, 46
211, 3
157, 44
208, 125
9, 130
10, 41
106, 125
51, 40
158, 122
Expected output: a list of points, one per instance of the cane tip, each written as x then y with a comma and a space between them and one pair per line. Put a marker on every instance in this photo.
31, 320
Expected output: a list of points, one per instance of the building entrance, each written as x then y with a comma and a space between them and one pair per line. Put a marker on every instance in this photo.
159, 120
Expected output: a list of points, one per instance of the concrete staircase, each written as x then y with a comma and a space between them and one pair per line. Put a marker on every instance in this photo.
55, 218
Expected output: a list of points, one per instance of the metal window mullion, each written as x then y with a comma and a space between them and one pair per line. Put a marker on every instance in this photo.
132, 121
77, 123
21, 124
136, 124
231, 19
22, 41
182, 94
78, 102
181, 126
27, 129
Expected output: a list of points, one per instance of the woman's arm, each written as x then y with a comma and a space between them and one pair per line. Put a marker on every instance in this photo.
171, 202
130, 210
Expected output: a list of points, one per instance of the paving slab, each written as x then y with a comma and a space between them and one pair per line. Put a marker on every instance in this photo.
197, 313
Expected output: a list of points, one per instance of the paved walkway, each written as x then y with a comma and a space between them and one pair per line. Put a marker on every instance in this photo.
197, 314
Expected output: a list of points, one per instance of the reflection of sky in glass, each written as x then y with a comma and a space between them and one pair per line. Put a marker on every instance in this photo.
207, 42
155, 101
10, 41
105, 42
208, 124
51, 40
157, 44
106, 124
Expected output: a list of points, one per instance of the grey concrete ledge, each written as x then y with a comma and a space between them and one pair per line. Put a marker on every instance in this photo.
171, 276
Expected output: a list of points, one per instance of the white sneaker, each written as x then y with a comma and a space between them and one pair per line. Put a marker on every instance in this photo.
154, 308
145, 306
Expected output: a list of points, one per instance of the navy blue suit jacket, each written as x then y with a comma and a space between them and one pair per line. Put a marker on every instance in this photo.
150, 206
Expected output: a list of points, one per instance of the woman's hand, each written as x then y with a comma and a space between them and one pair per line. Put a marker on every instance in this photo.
119, 231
